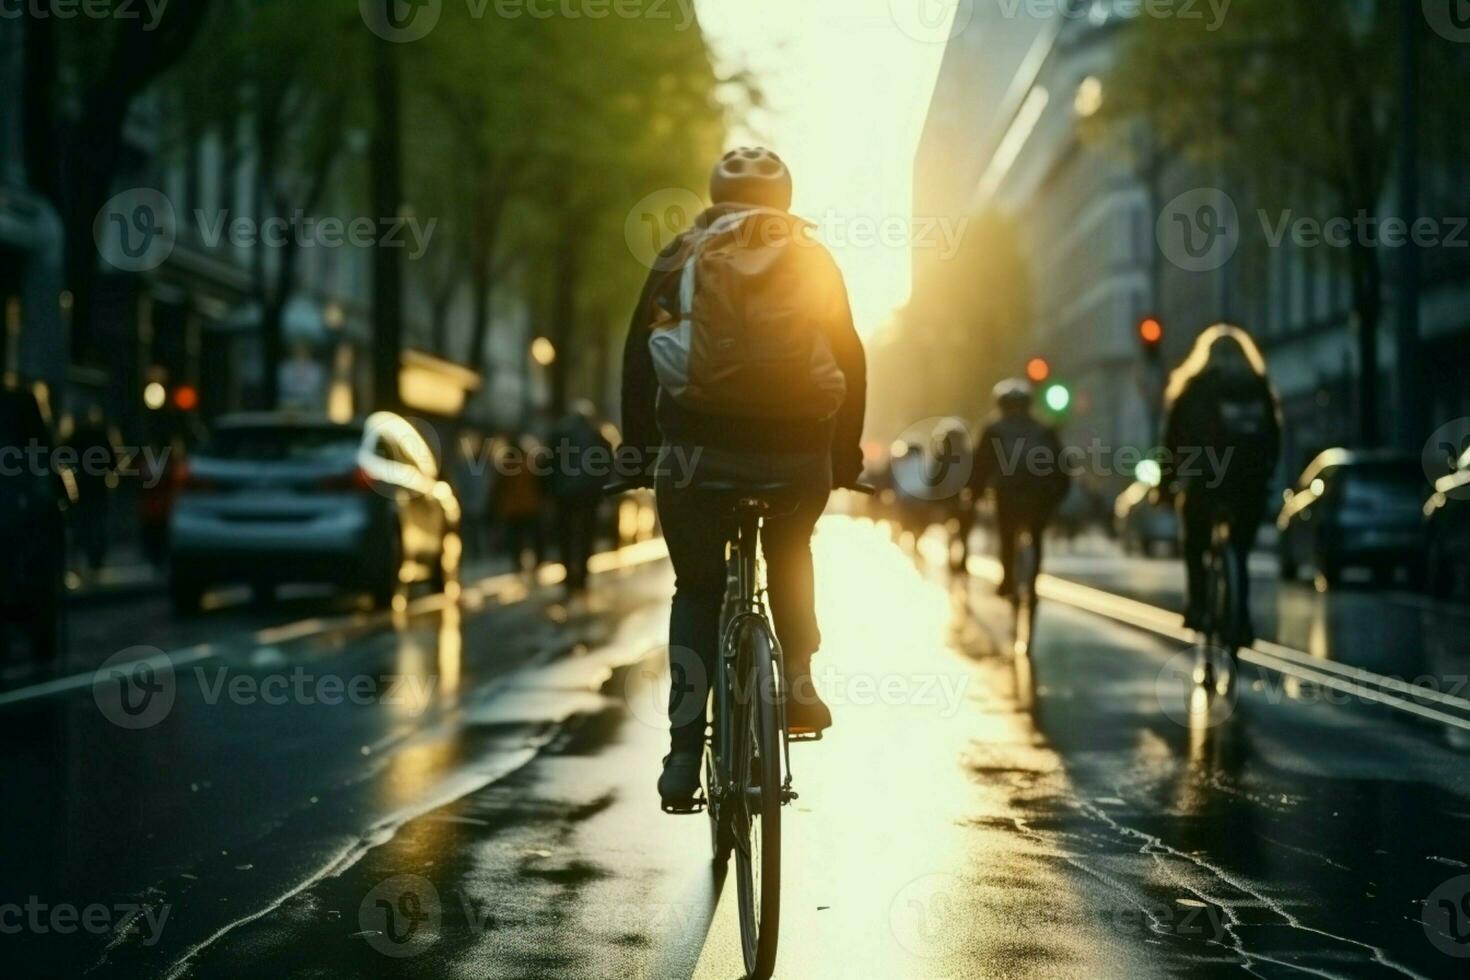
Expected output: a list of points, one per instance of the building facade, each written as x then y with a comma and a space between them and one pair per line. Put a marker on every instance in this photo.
1101, 261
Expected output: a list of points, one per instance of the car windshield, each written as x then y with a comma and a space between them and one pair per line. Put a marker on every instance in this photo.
283, 443
1384, 484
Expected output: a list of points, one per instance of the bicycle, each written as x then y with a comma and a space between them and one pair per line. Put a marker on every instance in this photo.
1224, 612
747, 760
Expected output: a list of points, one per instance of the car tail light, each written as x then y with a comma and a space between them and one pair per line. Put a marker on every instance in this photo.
356, 481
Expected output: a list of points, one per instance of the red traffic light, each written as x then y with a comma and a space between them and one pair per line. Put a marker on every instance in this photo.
1038, 370
1151, 331
186, 398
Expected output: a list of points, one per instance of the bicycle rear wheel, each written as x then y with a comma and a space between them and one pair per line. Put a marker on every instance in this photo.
755, 823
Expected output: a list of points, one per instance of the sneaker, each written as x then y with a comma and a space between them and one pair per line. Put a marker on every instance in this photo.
808, 713
679, 781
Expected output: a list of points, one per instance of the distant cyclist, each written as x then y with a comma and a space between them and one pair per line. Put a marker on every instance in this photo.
1018, 458
1222, 441
952, 453
742, 363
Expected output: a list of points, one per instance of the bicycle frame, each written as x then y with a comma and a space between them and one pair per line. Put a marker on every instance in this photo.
744, 607
1222, 612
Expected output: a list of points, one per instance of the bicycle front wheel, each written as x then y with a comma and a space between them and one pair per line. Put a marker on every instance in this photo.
1226, 613
756, 823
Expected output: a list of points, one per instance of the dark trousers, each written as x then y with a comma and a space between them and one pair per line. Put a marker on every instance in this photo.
522, 533
576, 529
1198, 512
1012, 517
696, 531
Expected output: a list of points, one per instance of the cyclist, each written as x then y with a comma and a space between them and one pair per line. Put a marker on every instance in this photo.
1222, 440
953, 453
751, 190
1018, 458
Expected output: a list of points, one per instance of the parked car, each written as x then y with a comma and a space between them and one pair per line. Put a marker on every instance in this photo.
33, 502
1447, 531
1354, 508
273, 498
1143, 525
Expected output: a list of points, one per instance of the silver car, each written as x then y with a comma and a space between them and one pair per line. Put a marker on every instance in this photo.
273, 498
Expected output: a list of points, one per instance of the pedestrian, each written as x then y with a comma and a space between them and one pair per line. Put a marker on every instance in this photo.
94, 448
581, 463
516, 502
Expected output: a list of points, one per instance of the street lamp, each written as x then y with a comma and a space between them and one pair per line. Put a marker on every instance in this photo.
543, 352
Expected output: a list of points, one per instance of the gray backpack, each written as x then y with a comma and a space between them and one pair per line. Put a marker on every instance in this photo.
749, 337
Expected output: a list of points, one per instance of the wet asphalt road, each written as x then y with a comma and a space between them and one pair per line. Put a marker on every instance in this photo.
469, 794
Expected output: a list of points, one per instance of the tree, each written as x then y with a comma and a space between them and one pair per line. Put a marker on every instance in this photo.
1301, 98
280, 82
631, 110
100, 64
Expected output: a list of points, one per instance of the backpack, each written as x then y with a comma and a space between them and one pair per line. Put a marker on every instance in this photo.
748, 338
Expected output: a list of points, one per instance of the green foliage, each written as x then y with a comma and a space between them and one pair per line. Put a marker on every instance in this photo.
527, 137
1291, 94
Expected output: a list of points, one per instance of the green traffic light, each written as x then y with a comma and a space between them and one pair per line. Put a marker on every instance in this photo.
1057, 398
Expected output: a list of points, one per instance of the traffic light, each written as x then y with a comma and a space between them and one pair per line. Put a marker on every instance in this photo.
1151, 334
1057, 397
1038, 370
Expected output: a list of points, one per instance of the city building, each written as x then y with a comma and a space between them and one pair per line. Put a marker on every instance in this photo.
31, 295
1006, 133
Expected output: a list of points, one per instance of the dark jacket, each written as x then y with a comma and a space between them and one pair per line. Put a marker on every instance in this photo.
1020, 459
1223, 414
650, 419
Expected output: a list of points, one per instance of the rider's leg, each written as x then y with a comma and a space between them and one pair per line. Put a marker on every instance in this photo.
696, 548
1037, 527
790, 579
1245, 525
1194, 533
1007, 528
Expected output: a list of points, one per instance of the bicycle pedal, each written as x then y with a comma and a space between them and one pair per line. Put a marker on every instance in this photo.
695, 805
